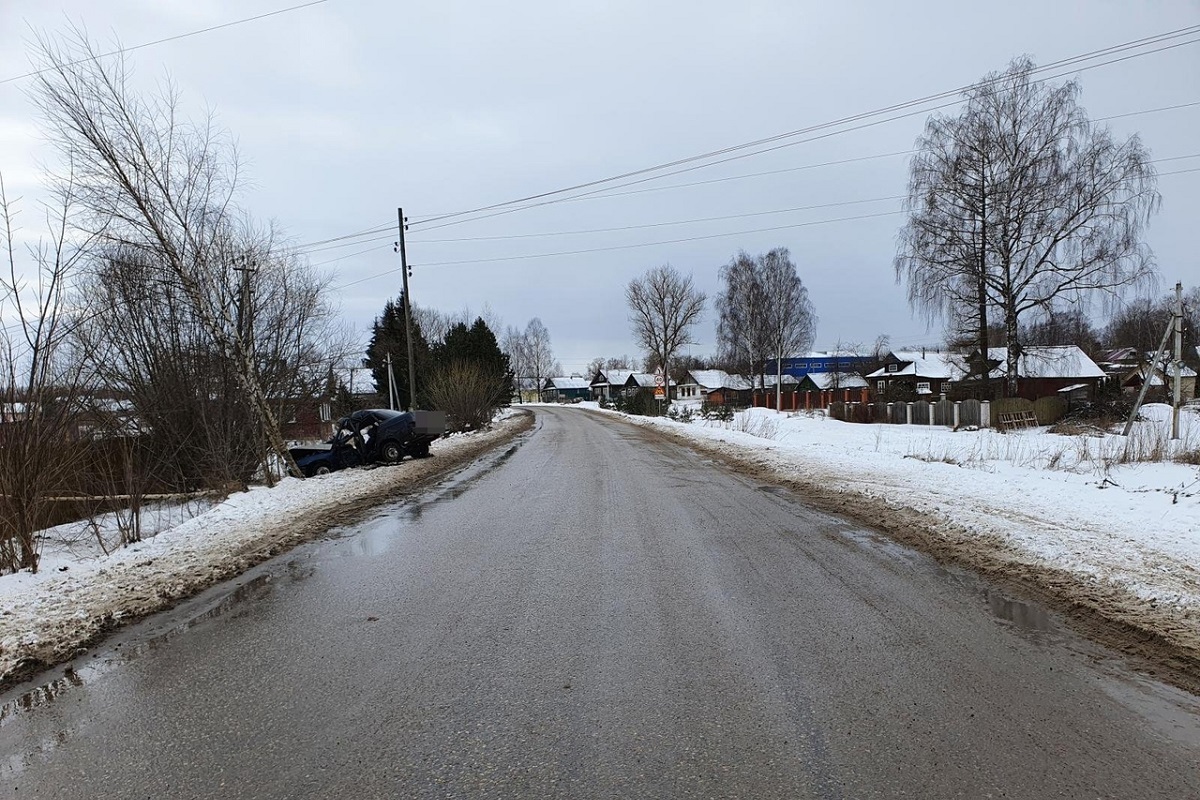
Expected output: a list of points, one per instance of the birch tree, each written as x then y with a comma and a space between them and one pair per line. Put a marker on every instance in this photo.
1021, 202
742, 336
789, 321
154, 183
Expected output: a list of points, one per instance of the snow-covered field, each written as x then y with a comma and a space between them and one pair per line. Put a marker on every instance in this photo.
79, 591
1093, 505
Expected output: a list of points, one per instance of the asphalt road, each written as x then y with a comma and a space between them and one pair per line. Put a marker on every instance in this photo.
599, 614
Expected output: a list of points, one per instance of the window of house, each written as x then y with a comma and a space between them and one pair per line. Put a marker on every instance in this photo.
881, 385
893, 367
922, 386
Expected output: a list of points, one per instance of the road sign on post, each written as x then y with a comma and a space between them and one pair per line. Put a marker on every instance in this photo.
659, 384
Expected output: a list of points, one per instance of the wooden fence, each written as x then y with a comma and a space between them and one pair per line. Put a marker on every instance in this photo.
944, 412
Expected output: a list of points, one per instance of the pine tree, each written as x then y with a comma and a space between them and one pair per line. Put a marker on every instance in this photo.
477, 345
388, 336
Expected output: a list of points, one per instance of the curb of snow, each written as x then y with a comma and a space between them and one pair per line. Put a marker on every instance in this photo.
62, 614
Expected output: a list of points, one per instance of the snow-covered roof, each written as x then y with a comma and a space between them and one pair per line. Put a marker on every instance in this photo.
920, 364
788, 380
1055, 361
567, 383
718, 379
613, 377
1164, 373
838, 380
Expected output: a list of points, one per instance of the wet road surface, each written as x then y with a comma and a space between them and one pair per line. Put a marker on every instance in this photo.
599, 614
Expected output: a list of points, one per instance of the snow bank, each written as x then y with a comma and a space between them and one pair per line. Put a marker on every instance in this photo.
45, 618
1083, 504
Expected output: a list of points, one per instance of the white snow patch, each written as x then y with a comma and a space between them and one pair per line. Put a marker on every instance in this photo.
1077, 503
78, 587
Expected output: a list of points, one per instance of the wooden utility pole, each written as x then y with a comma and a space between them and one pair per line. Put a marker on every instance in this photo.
412, 379
246, 266
1148, 376
1177, 397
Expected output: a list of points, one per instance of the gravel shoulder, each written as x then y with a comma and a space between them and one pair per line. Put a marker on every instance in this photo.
61, 616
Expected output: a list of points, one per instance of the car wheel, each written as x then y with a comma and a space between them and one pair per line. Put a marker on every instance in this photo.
391, 451
322, 470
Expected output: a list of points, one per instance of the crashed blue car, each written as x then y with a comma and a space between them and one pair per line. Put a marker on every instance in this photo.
372, 436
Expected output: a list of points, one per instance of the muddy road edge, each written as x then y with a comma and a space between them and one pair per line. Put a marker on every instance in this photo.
1159, 641
51, 646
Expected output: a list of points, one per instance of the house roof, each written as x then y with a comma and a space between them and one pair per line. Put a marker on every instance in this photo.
613, 377
918, 364
1056, 361
1160, 376
769, 380
718, 379
839, 380
1120, 354
567, 383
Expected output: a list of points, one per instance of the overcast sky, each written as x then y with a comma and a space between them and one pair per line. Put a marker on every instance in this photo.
350, 108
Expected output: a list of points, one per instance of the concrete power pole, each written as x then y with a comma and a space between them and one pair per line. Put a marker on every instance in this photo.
406, 274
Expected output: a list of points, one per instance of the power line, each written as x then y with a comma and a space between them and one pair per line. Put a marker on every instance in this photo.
622, 247
177, 37
664, 224
1114, 49
530, 256
389, 228
698, 220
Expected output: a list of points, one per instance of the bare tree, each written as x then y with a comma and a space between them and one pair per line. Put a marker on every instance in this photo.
663, 307
619, 362
149, 347
157, 184
467, 392
789, 320
42, 386
763, 311
1019, 202
513, 345
539, 356
742, 329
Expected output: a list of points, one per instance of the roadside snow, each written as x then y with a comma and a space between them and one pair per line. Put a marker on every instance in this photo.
79, 591
1063, 502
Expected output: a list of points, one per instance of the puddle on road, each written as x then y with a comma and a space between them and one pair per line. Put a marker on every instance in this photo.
378, 534
239, 596
1028, 618
1173, 713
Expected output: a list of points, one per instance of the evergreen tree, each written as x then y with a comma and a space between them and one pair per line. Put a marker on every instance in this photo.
388, 336
476, 345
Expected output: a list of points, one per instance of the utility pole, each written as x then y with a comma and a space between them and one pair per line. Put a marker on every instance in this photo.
391, 383
1178, 394
246, 266
1148, 376
406, 274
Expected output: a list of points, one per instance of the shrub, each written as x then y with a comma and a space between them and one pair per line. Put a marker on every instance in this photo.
642, 404
467, 392
712, 411
681, 413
